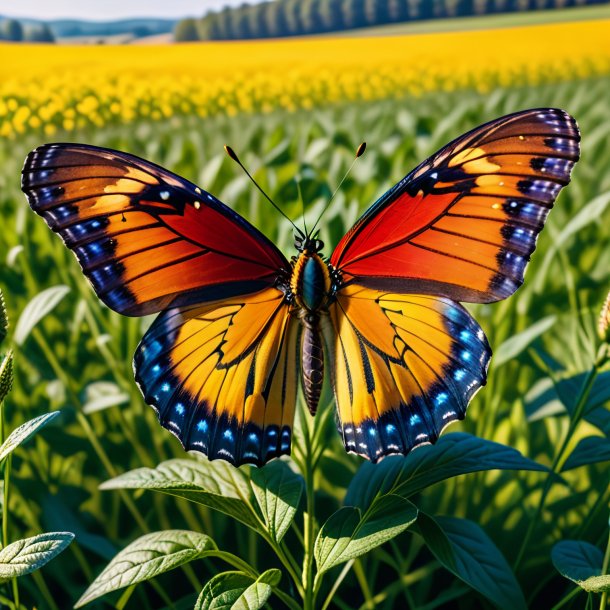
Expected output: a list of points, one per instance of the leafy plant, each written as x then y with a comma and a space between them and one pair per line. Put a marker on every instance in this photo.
30, 554
77, 356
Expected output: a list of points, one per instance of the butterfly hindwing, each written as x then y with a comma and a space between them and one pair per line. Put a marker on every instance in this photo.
223, 376
404, 366
146, 238
464, 223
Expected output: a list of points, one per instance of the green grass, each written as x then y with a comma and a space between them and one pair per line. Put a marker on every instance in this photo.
81, 350
483, 22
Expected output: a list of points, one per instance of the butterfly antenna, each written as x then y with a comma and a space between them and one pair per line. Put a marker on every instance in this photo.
235, 158
359, 153
298, 181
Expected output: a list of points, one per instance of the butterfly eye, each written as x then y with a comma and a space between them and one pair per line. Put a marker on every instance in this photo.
318, 245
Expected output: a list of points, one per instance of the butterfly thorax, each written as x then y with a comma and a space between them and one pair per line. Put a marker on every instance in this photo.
310, 286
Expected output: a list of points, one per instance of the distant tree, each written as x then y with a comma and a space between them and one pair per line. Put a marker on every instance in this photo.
275, 17
479, 7
257, 22
225, 24
331, 15
39, 33
208, 27
414, 9
353, 13
240, 24
310, 16
139, 31
186, 31
376, 12
450, 8
398, 10
12, 30
500, 6
292, 14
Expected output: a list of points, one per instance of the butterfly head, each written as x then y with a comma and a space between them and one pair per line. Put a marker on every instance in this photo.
308, 243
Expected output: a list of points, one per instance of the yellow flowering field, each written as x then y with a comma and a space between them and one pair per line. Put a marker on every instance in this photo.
67, 87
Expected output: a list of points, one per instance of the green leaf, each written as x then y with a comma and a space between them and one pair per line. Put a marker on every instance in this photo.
28, 555
21, 434
463, 548
349, 532
147, 557
217, 485
43, 303
516, 344
278, 491
6, 375
454, 454
236, 591
590, 450
3, 319
101, 395
581, 563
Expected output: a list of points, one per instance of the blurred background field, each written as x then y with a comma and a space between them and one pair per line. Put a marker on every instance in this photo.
299, 109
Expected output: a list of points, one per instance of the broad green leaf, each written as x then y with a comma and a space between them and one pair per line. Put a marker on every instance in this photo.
147, 557
43, 303
463, 548
21, 434
512, 347
590, 450
237, 591
28, 555
215, 484
454, 454
581, 563
278, 491
102, 395
350, 532
6, 375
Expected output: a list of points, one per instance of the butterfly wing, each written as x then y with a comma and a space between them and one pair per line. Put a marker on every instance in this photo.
405, 366
146, 238
223, 376
464, 223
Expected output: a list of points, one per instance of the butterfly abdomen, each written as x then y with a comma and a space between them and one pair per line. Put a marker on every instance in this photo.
310, 286
312, 362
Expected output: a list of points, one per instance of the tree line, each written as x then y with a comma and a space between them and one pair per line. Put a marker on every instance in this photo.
300, 17
12, 30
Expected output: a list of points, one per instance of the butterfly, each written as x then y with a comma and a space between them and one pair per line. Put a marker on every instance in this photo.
241, 326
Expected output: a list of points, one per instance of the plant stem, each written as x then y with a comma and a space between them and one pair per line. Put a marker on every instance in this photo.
346, 568
560, 456
604, 601
308, 517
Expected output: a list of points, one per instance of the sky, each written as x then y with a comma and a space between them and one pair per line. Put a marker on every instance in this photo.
108, 10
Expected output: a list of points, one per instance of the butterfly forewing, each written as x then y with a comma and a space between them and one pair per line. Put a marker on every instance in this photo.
146, 238
465, 222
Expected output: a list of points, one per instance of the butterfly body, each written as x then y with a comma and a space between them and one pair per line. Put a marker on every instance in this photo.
240, 327
311, 291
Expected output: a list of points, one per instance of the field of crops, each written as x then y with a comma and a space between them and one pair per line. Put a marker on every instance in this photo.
527, 524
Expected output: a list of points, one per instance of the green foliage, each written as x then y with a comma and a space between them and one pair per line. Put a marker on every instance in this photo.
350, 532
237, 591
322, 507
37, 309
28, 555
186, 31
147, 557
581, 562
24, 432
463, 548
